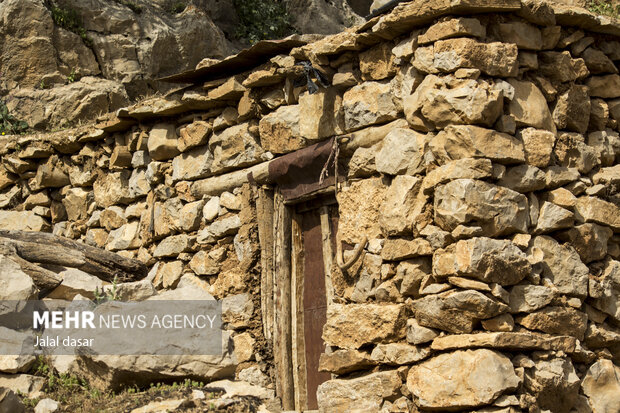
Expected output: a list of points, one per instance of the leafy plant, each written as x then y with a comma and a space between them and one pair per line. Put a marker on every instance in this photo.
605, 8
176, 7
262, 19
70, 20
73, 77
110, 294
9, 124
134, 7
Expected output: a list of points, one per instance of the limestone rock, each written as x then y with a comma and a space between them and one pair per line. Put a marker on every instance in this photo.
320, 114
357, 218
572, 110
14, 283
605, 289
76, 203
598, 62
22, 221
112, 218
172, 246
483, 376
456, 311
31, 386
456, 27
494, 59
367, 104
400, 249
589, 240
193, 164
538, 145
552, 218
401, 153
168, 274
495, 209
202, 264
11, 341
112, 188
528, 298
442, 101
10, 402
399, 209
464, 141
561, 67
76, 282
522, 340
529, 106
233, 148
51, 175
237, 310
525, 36
191, 216
556, 320
604, 86
523, 178
562, 266
344, 361
138, 184
280, 132
163, 142
554, 384
485, 259
592, 209
220, 228
602, 386
195, 134
398, 354
377, 63
354, 325
468, 168
607, 176
417, 334
125, 237
361, 394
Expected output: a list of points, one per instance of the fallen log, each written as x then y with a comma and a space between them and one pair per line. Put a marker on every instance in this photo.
45, 248
43, 278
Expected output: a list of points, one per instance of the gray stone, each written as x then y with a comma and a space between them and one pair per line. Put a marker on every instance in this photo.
485, 259
483, 376
552, 218
523, 178
556, 320
367, 104
401, 153
193, 164
529, 106
172, 246
456, 311
361, 394
561, 266
233, 148
22, 221
605, 289
554, 384
417, 334
401, 205
602, 386
458, 142
398, 354
528, 298
497, 210
163, 142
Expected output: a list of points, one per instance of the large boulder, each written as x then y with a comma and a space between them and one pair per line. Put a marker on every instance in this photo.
354, 325
361, 394
486, 259
456, 311
497, 210
462, 379
442, 101
602, 386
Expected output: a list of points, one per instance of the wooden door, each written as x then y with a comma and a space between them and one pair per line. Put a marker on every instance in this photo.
312, 256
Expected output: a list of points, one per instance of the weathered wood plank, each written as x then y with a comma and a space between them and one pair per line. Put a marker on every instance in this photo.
47, 248
282, 301
265, 219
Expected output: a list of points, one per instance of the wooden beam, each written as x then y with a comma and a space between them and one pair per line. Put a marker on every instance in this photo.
328, 253
265, 219
297, 316
227, 182
45, 248
282, 299
43, 278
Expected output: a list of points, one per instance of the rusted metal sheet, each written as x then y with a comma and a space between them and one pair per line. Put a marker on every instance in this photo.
314, 302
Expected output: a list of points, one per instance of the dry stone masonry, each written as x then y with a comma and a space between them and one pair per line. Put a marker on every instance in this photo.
478, 156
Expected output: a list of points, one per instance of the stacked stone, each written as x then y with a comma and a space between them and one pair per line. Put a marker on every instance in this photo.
481, 156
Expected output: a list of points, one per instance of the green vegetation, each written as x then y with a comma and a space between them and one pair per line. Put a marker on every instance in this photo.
69, 19
135, 7
111, 294
605, 8
176, 7
73, 77
262, 19
9, 124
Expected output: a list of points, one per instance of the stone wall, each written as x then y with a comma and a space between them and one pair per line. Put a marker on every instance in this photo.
480, 148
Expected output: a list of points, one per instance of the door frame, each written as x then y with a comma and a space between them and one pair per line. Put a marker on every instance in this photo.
280, 237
